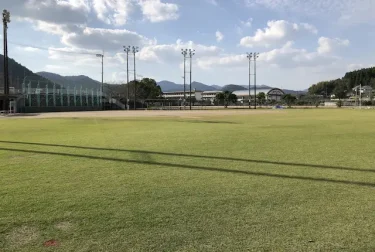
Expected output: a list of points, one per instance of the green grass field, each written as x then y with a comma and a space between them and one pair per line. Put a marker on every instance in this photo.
295, 180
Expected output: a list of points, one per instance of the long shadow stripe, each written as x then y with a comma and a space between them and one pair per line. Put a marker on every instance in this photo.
193, 167
199, 156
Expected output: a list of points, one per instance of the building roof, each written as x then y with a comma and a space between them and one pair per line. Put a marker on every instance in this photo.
186, 91
363, 87
214, 91
262, 90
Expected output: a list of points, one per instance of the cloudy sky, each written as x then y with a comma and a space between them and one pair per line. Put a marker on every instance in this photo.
300, 42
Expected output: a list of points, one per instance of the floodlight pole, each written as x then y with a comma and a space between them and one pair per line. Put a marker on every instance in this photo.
256, 56
249, 56
360, 96
101, 95
135, 49
191, 54
184, 53
6, 20
127, 50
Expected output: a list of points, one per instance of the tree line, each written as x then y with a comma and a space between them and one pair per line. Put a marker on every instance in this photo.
340, 87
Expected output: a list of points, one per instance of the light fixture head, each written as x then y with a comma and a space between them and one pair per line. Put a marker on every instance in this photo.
6, 16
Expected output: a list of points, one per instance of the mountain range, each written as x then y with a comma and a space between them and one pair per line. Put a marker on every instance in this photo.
17, 72
65, 81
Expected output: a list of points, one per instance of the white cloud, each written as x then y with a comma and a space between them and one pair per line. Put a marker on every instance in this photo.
58, 12
247, 23
277, 32
112, 12
115, 12
231, 60
353, 67
104, 39
328, 45
290, 57
349, 11
285, 57
28, 49
358, 66
168, 53
219, 36
213, 2
156, 11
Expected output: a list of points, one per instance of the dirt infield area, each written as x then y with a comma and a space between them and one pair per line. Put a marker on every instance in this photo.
145, 113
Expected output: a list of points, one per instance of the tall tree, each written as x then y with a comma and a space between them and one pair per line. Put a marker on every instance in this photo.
226, 97
289, 99
340, 90
261, 98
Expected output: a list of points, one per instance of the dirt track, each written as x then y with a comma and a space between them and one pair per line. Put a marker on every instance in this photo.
149, 113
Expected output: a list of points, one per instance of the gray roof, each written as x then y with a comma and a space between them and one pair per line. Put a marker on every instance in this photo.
214, 91
246, 92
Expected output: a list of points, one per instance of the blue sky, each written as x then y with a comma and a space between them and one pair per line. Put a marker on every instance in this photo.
300, 42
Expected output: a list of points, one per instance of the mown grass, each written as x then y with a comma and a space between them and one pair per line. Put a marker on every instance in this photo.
298, 180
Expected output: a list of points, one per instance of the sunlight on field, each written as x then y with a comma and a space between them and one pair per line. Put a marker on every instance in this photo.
293, 180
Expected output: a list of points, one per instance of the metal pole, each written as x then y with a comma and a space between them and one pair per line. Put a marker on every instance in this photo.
191, 57
184, 80
127, 50
6, 20
102, 82
127, 78
256, 55
249, 82
360, 95
135, 84
135, 50
249, 56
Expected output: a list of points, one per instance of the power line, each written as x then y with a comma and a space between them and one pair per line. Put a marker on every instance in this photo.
50, 49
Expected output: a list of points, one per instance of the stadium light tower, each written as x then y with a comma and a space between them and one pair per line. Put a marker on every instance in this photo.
101, 95
191, 54
127, 50
256, 56
184, 52
135, 49
6, 20
249, 56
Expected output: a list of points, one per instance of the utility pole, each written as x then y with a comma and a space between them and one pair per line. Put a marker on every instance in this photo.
184, 53
256, 55
6, 20
191, 54
135, 49
360, 95
127, 50
101, 95
249, 56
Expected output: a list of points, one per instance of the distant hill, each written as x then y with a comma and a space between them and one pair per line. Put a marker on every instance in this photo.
232, 88
217, 87
294, 92
365, 76
17, 73
258, 87
71, 81
168, 86
202, 87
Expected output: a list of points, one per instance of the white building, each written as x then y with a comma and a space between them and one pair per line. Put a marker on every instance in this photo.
271, 94
210, 95
179, 95
363, 91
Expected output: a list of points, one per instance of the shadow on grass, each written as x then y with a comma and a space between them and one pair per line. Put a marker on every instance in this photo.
195, 167
19, 115
198, 156
211, 122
